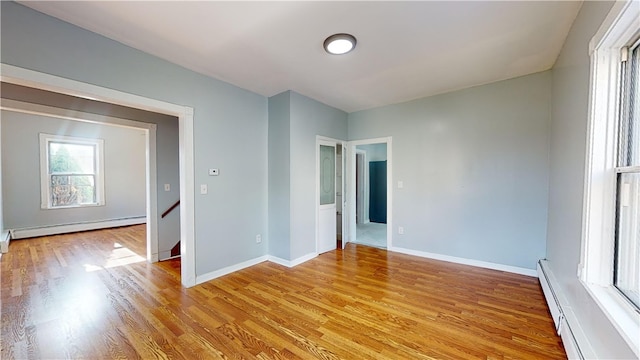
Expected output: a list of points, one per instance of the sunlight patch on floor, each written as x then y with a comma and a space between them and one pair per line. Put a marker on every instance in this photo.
119, 256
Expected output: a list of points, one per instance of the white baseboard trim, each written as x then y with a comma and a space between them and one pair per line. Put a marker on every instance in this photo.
5, 237
291, 263
463, 261
229, 269
69, 228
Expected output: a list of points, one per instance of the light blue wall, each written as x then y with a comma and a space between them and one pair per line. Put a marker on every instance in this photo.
308, 119
375, 152
124, 181
475, 169
230, 124
569, 117
279, 175
294, 122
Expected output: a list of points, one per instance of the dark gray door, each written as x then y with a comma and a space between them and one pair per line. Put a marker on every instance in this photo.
378, 191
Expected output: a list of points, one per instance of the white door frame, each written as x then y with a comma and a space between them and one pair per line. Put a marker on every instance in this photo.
364, 175
343, 191
20, 76
351, 185
320, 140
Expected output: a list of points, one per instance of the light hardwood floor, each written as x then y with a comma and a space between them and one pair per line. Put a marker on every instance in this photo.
84, 296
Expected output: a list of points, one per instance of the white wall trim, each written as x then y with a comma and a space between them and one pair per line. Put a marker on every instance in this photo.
20, 76
75, 227
292, 263
464, 261
229, 269
245, 264
187, 198
5, 238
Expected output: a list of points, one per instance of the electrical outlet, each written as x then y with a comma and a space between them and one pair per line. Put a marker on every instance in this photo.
400, 230
258, 239
167, 187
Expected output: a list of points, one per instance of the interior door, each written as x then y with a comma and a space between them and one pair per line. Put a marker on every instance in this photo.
327, 193
378, 191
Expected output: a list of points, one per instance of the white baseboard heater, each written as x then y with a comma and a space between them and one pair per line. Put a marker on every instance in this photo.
559, 312
75, 227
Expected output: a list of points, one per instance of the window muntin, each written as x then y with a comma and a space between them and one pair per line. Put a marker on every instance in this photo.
626, 276
71, 171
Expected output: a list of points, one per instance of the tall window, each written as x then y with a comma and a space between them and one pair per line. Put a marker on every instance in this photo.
71, 171
627, 254
610, 262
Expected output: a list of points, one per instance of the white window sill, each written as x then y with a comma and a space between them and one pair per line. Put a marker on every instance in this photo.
71, 206
624, 317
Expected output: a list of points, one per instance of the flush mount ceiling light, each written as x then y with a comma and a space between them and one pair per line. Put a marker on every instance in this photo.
339, 44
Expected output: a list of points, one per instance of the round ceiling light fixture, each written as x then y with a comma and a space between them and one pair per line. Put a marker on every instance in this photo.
339, 44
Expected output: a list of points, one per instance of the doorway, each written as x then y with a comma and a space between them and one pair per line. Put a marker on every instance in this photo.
369, 183
30, 78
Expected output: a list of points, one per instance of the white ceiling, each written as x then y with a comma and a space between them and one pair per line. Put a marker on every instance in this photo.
405, 50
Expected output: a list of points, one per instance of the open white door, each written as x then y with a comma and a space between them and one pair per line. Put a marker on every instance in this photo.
326, 182
343, 228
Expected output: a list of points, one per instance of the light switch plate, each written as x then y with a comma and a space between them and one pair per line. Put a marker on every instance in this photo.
204, 189
400, 184
214, 172
167, 187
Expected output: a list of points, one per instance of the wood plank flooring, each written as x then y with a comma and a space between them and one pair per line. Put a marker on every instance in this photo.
84, 296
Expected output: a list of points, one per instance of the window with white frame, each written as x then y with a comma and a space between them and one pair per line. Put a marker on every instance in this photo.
626, 272
71, 170
610, 266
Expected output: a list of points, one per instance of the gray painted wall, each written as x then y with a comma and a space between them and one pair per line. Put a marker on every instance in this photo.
279, 176
124, 171
230, 124
167, 152
569, 114
475, 169
308, 119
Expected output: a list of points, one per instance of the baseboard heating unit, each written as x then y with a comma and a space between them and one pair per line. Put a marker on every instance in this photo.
559, 312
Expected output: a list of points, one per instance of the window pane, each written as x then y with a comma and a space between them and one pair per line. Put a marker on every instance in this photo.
71, 158
634, 107
327, 175
69, 190
627, 270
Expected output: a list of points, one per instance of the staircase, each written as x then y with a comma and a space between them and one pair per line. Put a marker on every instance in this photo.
175, 250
